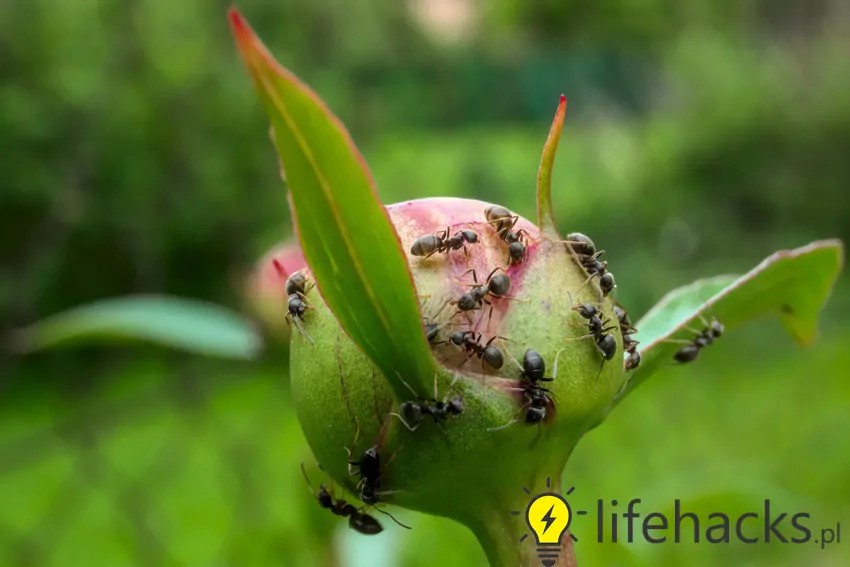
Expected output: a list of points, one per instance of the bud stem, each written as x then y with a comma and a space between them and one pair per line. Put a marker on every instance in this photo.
499, 532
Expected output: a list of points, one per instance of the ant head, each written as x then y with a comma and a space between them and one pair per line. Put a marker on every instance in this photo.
325, 498
499, 284
586, 310
516, 250
455, 406
717, 328
633, 361
469, 235
606, 283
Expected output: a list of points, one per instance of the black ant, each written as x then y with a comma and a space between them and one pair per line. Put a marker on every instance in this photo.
588, 257
606, 344
537, 399
296, 288
432, 328
713, 331
368, 468
431, 244
357, 520
503, 222
497, 286
413, 413
470, 341
629, 344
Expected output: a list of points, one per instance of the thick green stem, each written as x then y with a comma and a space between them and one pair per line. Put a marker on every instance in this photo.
499, 533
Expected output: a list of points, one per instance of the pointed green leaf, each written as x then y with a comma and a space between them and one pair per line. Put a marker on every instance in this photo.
545, 217
795, 284
194, 326
348, 240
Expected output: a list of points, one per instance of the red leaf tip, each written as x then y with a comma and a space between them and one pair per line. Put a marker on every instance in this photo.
236, 20
563, 99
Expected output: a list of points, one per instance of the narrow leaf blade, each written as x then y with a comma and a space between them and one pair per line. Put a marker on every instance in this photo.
348, 240
545, 216
193, 326
795, 284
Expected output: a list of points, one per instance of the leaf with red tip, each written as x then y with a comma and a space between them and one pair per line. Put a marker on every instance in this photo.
545, 217
795, 284
345, 233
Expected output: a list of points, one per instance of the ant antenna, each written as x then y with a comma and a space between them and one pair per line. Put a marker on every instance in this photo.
393, 518
309, 486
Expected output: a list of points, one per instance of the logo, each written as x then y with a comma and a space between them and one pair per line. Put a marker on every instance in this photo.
548, 516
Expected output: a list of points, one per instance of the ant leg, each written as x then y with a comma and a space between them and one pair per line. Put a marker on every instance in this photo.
555, 367
587, 281
347, 450
392, 458
393, 518
509, 298
508, 424
302, 330
401, 419
496, 269
514, 420
677, 341
601, 366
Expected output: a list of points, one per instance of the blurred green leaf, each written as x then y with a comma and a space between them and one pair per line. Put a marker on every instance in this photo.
793, 283
345, 233
194, 326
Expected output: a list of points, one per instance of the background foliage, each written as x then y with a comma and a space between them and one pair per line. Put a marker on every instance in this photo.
700, 137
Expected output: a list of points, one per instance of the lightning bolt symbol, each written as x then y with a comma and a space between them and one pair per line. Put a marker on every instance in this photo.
548, 519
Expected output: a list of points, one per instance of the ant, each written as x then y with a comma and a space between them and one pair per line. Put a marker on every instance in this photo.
497, 286
503, 222
296, 288
713, 331
537, 397
368, 468
432, 328
470, 341
431, 244
606, 344
413, 413
357, 520
629, 344
588, 257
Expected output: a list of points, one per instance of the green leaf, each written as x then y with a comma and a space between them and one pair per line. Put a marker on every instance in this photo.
545, 217
348, 240
795, 284
190, 325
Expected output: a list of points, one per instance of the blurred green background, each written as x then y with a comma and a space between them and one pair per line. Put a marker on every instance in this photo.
700, 137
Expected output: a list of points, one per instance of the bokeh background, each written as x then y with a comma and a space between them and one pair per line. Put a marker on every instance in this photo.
700, 137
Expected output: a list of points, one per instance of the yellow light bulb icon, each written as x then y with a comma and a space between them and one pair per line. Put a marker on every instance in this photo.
548, 515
